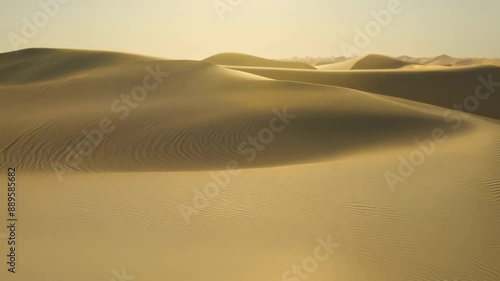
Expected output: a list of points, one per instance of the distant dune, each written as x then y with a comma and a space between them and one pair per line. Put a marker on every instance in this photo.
378, 62
445, 60
240, 168
342, 65
236, 59
469, 62
367, 62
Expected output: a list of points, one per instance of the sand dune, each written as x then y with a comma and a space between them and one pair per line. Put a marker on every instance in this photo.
445, 60
402, 62
110, 147
436, 86
367, 62
378, 62
203, 135
34, 65
236, 59
469, 62
343, 65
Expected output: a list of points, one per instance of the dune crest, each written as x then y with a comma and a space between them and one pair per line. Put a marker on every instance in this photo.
236, 59
378, 62
373, 61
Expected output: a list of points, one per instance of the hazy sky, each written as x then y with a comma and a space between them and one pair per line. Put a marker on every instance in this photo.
271, 28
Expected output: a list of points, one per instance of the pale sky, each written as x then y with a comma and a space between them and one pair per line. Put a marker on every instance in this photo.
192, 29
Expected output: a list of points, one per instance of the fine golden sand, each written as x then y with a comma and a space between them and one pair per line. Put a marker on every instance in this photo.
114, 153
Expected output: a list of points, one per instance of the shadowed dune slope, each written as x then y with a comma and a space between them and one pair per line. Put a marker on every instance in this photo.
440, 87
248, 60
378, 62
39, 64
94, 122
367, 62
